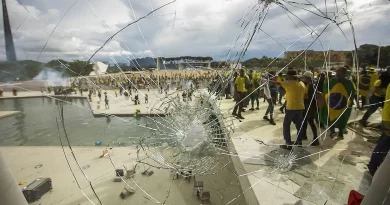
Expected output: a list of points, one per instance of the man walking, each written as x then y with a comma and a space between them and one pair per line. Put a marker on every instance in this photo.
295, 92
267, 95
379, 94
240, 91
106, 102
310, 108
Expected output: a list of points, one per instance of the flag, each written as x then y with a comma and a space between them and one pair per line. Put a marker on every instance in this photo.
338, 100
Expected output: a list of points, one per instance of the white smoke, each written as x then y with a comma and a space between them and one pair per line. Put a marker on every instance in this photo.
51, 77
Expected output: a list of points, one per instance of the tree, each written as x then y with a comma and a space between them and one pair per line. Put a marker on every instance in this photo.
79, 68
56, 63
368, 56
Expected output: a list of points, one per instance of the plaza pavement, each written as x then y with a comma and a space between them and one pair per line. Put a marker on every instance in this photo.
321, 175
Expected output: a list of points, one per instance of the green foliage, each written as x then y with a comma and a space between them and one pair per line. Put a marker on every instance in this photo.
79, 68
24, 70
368, 55
266, 62
56, 63
32, 68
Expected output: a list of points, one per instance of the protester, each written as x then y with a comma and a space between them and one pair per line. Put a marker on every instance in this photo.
339, 99
273, 87
310, 112
281, 91
295, 93
364, 87
378, 97
382, 148
266, 80
106, 103
248, 87
239, 95
255, 92
136, 99
99, 94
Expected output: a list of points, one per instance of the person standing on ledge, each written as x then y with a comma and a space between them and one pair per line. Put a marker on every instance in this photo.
382, 148
295, 93
239, 95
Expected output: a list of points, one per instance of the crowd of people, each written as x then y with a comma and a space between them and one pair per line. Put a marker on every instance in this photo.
322, 99
128, 85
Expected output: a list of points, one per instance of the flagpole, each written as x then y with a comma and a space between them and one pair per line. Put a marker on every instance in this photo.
379, 55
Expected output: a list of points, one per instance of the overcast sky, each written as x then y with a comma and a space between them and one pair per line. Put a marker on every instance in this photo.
186, 27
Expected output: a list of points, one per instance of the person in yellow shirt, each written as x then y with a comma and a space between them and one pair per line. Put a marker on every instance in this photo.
248, 87
240, 91
364, 87
371, 72
295, 94
382, 148
378, 97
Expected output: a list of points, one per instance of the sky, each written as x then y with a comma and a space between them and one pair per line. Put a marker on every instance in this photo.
44, 30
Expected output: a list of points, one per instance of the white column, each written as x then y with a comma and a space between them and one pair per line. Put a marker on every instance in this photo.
379, 192
10, 192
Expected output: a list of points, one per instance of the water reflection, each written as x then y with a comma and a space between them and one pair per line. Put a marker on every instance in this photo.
20, 124
36, 124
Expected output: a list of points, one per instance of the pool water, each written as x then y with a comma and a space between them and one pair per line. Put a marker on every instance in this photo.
36, 125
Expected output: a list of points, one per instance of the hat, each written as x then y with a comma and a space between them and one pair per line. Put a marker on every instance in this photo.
308, 74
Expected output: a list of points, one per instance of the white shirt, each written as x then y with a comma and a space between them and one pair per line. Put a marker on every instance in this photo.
265, 86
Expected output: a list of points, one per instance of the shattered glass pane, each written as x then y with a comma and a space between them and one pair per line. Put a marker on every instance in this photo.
94, 96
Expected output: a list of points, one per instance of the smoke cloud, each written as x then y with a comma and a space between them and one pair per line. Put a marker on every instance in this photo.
52, 77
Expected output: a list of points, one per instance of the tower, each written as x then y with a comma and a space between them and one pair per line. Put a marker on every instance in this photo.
9, 42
